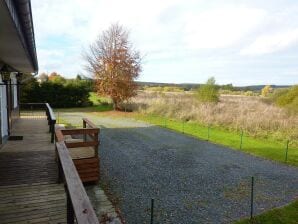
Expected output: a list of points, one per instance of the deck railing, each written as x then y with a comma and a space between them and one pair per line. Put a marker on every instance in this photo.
38, 110
79, 207
83, 146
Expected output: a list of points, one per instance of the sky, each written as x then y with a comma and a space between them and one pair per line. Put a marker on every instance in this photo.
243, 42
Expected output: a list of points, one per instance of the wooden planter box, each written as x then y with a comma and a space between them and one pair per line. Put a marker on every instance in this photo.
88, 169
83, 151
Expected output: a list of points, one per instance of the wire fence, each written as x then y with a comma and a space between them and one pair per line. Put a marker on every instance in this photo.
284, 151
246, 197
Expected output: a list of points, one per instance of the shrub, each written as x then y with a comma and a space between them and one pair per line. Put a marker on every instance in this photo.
154, 88
208, 92
172, 89
266, 91
248, 93
69, 94
286, 98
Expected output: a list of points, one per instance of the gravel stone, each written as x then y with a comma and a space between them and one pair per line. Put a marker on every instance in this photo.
192, 181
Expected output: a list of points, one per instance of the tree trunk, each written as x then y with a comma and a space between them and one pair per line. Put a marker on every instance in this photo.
115, 104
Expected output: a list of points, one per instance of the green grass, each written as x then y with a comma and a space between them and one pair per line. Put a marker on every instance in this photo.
99, 100
287, 215
100, 104
265, 148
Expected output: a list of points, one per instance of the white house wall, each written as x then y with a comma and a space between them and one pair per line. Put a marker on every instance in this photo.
14, 89
3, 110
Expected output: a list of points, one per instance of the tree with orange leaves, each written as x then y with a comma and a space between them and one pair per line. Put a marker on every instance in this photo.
114, 64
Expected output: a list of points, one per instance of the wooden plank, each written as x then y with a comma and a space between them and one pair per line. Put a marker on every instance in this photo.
28, 176
88, 170
80, 131
90, 123
59, 135
81, 204
85, 161
87, 165
80, 144
90, 179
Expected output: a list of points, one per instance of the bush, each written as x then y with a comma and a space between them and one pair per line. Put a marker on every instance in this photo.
172, 89
208, 92
286, 98
69, 94
266, 91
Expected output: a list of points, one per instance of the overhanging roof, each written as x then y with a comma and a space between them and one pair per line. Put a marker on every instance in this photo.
17, 42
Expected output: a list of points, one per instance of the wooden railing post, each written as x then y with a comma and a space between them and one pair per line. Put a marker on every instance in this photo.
96, 138
70, 211
53, 122
84, 126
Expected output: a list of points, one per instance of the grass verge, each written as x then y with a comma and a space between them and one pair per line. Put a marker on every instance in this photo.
287, 214
265, 148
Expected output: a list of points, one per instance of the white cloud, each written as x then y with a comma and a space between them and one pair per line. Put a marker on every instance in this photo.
219, 28
270, 43
177, 36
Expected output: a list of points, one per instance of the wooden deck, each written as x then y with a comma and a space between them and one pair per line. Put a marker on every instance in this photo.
29, 192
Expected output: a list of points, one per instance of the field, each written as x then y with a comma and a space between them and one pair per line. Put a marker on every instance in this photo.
241, 122
249, 114
247, 123
133, 151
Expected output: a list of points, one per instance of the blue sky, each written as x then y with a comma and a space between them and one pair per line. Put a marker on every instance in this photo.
240, 42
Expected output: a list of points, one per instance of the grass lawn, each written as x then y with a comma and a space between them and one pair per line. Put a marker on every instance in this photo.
96, 100
266, 148
287, 214
100, 104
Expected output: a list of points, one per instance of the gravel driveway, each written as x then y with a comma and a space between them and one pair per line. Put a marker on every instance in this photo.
192, 181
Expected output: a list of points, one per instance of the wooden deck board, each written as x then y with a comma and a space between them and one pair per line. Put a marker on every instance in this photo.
28, 175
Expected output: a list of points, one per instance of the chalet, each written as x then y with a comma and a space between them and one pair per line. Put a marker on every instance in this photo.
17, 56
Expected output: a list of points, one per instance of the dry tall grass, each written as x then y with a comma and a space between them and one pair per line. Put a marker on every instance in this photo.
247, 113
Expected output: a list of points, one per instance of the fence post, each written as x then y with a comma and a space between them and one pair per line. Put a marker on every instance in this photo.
241, 139
208, 131
152, 210
252, 198
287, 148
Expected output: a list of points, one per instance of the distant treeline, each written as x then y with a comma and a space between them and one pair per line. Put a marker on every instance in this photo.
193, 86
